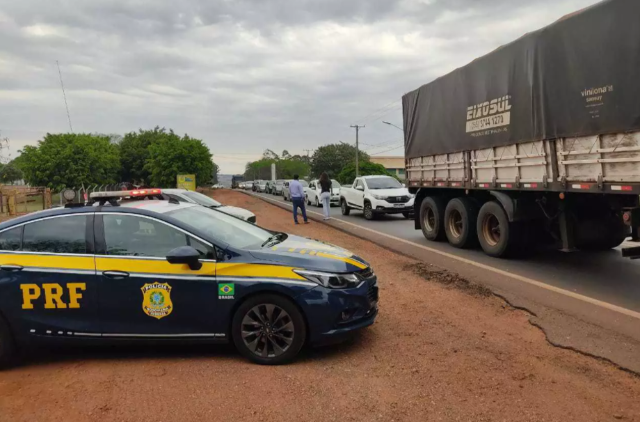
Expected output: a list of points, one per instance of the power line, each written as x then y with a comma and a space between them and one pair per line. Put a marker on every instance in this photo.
380, 109
380, 116
387, 150
384, 144
65, 97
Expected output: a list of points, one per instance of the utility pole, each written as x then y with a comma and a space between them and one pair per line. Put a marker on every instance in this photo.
308, 151
357, 148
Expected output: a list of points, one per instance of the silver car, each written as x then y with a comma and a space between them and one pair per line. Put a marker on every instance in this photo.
285, 190
183, 195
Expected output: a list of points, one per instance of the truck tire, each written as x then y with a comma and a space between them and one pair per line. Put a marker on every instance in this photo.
368, 212
497, 236
268, 329
344, 207
7, 347
460, 221
432, 218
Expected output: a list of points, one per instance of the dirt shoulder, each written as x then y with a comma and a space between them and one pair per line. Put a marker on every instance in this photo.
440, 350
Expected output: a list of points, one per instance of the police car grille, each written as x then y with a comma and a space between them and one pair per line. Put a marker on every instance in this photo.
398, 199
372, 293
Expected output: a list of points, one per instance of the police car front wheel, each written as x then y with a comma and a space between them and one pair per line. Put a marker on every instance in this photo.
268, 329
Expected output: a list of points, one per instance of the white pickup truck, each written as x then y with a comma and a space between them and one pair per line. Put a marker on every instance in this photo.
376, 195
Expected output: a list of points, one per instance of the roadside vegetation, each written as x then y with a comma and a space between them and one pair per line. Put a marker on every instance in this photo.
147, 157
337, 160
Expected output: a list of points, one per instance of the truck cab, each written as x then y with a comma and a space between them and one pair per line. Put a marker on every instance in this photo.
375, 196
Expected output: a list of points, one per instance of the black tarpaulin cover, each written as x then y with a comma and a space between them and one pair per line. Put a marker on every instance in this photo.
577, 77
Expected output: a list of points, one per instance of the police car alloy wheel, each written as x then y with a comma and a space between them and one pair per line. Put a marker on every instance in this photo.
268, 329
6, 344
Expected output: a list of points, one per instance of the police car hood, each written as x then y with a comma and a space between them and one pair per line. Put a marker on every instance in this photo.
311, 254
235, 211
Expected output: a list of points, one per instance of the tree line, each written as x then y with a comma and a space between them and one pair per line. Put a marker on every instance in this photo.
337, 160
147, 157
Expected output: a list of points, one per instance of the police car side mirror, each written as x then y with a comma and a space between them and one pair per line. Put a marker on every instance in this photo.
185, 255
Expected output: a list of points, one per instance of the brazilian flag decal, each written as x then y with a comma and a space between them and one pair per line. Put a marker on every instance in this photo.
226, 290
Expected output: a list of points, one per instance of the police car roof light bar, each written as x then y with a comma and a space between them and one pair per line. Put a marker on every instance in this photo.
125, 193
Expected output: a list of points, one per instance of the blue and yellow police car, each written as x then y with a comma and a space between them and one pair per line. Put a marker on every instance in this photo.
151, 270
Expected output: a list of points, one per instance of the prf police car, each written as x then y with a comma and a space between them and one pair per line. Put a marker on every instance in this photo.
159, 270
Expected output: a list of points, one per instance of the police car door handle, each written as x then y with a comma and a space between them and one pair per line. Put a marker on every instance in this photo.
115, 274
11, 268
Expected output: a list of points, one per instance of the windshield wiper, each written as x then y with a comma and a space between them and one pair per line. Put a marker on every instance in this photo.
277, 238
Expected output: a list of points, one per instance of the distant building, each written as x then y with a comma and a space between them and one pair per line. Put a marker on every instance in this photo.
395, 165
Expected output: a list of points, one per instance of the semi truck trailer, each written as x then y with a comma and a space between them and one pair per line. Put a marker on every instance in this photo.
536, 142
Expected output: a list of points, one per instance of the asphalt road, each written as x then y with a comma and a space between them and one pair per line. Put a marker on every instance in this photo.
604, 276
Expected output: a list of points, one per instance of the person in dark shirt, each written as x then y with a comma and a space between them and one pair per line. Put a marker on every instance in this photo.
325, 194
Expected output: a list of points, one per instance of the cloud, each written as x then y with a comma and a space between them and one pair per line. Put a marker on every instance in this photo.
243, 75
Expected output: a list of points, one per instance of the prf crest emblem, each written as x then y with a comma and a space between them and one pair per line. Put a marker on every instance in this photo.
156, 300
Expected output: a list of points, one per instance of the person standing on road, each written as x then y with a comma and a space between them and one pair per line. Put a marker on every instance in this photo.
296, 191
325, 194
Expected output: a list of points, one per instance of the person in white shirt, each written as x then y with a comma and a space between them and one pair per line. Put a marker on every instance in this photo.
297, 198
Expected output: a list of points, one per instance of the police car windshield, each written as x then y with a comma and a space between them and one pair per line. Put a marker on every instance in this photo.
202, 199
237, 233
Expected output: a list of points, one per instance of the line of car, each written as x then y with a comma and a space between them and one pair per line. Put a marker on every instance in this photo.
373, 195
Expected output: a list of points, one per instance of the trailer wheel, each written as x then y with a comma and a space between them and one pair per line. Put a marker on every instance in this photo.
432, 218
460, 220
496, 235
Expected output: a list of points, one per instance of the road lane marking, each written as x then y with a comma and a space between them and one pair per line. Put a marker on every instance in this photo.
596, 302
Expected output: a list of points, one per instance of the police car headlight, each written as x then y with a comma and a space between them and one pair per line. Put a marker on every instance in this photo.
330, 280
379, 197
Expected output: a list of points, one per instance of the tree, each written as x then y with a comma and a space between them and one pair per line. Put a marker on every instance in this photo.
333, 158
285, 169
259, 170
270, 155
70, 160
9, 173
367, 168
170, 155
216, 171
134, 152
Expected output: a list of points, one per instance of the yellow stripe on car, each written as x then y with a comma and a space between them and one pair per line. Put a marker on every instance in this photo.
343, 259
256, 270
49, 261
152, 266
326, 254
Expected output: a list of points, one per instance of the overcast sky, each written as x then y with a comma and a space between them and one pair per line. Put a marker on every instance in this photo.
243, 75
